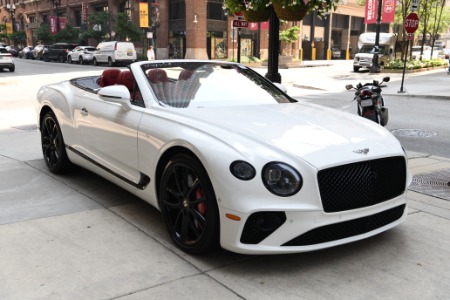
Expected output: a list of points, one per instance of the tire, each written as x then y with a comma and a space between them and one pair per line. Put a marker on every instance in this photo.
80, 60
53, 147
46, 58
12, 69
356, 69
61, 59
110, 62
69, 59
95, 62
189, 205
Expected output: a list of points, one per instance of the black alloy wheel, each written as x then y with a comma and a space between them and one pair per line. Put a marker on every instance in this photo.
53, 147
189, 205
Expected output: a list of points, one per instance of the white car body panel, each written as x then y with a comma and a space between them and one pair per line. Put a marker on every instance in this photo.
305, 136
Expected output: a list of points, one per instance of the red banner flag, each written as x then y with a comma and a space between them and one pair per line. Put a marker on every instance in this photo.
388, 14
53, 28
371, 12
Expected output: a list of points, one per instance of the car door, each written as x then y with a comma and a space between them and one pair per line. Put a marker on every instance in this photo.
109, 134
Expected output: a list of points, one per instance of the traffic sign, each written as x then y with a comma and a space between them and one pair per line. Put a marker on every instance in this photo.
240, 23
414, 5
411, 23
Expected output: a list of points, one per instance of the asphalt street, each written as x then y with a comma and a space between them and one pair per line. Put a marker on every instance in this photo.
78, 236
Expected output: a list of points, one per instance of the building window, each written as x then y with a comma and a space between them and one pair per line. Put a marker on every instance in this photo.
32, 19
125, 7
177, 10
77, 15
216, 11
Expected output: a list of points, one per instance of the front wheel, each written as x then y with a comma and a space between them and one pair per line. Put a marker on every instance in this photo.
69, 59
61, 59
80, 60
110, 62
356, 69
53, 147
95, 62
189, 205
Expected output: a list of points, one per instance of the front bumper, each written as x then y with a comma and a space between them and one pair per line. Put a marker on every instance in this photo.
304, 231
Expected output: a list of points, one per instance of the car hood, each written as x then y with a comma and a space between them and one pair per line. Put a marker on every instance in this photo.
321, 136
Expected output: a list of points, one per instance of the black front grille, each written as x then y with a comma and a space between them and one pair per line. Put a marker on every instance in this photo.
347, 229
362, 184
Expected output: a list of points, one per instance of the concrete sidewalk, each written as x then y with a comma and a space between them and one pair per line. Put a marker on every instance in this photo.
77, 236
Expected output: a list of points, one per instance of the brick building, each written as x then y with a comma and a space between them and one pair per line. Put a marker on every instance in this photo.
197, 28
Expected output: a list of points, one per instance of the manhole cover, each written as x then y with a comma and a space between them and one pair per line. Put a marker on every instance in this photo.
436, 184
418, 133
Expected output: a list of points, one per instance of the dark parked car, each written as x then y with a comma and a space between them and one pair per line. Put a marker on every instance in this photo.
58, 52
13, 50
26, 52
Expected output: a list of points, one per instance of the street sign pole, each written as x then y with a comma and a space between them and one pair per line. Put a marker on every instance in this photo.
404, 68
411, 25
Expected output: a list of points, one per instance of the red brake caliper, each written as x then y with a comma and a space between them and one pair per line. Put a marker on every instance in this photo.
201, 207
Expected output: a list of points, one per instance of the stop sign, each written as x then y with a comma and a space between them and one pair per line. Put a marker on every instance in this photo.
411, 23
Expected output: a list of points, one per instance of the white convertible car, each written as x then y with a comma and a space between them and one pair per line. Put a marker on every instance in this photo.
227, 156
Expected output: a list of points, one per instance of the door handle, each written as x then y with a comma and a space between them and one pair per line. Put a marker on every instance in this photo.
84, 112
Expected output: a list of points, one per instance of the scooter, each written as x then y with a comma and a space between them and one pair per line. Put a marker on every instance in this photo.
370, 102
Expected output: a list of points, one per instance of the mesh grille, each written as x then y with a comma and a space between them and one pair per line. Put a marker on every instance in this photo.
260, 225
347, 229
362, 184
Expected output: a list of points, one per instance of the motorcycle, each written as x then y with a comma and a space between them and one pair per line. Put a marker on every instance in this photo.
370, 102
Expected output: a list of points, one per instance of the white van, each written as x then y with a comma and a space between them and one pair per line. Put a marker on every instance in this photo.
114, 53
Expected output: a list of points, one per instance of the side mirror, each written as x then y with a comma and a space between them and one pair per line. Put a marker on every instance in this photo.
349, 87
116, 94
386, 79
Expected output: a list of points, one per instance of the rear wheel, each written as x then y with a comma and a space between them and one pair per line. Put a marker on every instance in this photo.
356, 69
189, 205
95, 62
61, 59
110, 62
53, 147
12, 69
46, 59
69, 59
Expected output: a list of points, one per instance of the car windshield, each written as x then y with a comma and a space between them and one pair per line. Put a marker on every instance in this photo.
370, 49
207, 84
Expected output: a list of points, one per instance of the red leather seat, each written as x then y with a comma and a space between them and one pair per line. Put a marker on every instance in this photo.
109, 77
157, 75
126, 78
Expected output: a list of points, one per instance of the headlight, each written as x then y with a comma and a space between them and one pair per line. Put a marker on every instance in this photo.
281, 179
242, 170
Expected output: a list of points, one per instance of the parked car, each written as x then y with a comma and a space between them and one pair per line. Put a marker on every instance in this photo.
248, 167
13, 50
426, 54
114, 53
26, 52
58, 52
336, 52
81, 54
6, 60
39, 51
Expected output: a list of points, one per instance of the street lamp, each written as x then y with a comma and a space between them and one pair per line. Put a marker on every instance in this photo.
12, 11
56, 4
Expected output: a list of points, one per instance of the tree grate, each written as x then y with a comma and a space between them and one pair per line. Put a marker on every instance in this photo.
436, 184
